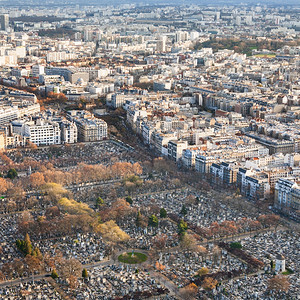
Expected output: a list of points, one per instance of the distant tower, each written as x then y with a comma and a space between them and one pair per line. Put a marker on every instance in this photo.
248, 20
4, 21
161, 44
77, 36
280, 264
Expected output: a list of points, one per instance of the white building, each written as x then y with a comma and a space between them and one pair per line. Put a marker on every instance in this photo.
280, 264
37, 70
69, 132
41, 132
8, 113
283, 192
175, 149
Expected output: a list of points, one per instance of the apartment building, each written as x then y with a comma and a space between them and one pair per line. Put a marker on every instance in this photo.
89, 128
160, 141
118, 100
283, 192
189, 156
241, 181
42, 132
274, 145
69, 74
69, 132
253, 184
223, 173
203, 163
8, 113
287, 197
176, 148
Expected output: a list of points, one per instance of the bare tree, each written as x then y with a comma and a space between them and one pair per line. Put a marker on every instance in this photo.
279, 283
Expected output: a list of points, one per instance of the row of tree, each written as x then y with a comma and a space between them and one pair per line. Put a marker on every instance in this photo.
227, 228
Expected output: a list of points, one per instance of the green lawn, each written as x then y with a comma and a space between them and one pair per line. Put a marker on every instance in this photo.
287, 272
136, 258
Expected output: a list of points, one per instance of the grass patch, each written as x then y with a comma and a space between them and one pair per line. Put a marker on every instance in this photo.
135, 258
287, 272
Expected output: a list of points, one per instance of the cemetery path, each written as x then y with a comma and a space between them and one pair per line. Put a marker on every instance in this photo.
21, 280
45, 275
164, 281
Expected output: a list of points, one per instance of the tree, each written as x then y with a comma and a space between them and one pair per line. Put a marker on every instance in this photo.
138, 219
269, 220
73, 281
70, 267
3, 186
188, 242
55, 261
2, 276
73, 207
279, 283
160, 242
18, 266
15, 193
163, 213
141, 220
37, 253
236, 245
85, 273
61, 97
55, 191
11, 206
120, 209
110, 231
99, 202
209, 283
189, 292
37, 180
153, 221
137, 169
129, 200
255, 225
203, 271
54, 274
7, 270
159, 266
12, 173
33, 263
52, 212
27, 244
182, 227
183, 210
